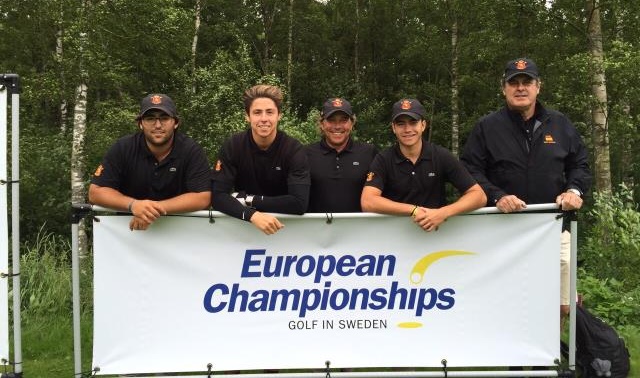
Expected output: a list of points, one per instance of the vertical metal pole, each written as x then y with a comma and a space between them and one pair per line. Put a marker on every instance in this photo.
573, 288
4, 327
75, 282
15, 221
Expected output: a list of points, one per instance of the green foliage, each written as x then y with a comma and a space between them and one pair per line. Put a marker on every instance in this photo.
305, 131
610, 299
44, 182
214, 111
631, 335
611, 249
46, 277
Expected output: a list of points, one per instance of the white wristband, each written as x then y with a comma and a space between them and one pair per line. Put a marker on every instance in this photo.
575, 191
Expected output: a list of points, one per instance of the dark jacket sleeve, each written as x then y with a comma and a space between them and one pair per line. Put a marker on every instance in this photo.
474, 157
296, 200
223, 180
577, 169
225, 203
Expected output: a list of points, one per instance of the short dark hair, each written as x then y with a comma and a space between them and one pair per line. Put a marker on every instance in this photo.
264, 91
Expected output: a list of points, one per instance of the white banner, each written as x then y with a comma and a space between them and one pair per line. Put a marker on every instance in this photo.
359, 292
4, 234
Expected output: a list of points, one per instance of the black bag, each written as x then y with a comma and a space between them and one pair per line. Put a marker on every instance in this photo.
600, 352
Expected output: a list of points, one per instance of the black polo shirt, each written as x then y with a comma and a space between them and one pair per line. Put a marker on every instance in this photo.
420, 184
278, 177
130, 168
337, 178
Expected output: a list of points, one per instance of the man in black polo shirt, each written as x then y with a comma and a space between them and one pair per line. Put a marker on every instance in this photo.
154, 172
266, 169
338, 164
409, 178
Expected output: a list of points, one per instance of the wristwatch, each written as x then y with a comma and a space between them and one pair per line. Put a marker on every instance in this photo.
575, 191
248, 200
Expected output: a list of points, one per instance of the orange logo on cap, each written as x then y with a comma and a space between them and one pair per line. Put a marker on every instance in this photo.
98, 171
337, 103
548, 139
405, 105
156, 99
370, 176
521, 64
218, 167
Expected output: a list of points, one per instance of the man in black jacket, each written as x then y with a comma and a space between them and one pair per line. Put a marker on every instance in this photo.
527, 154
266, 170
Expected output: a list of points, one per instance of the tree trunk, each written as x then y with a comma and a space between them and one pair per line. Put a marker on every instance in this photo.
455, 112
290, 54
600, 131
194, 44
78, 172
59, 59
356, 43
78, 187
267, 23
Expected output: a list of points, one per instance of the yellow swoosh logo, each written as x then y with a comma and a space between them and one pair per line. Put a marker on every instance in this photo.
418, 271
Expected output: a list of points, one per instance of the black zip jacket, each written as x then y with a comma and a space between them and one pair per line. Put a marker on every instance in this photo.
536, 166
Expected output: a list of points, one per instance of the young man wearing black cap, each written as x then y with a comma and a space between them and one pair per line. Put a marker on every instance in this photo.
154, 172
525, 154
267, 169
338, 164
409, 178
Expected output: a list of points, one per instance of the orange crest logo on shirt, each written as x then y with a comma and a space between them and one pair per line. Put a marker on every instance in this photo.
521, 64
98, 171
156, 99
337, 103
548, 139
370, 176
218, 167
405, 105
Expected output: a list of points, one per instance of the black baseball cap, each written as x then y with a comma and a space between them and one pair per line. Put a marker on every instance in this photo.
521, 66
158, 101
336, 104
408, 106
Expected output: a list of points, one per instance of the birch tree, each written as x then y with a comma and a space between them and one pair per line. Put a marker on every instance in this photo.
599, 119
78, 173
194, 43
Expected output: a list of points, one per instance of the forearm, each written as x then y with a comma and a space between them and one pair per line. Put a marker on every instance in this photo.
373, 201
224, 203
295, 202
474, 198
108, 197
187, 202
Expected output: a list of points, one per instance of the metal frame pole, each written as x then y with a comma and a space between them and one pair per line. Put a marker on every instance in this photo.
12, 83
79, 211
75, 282
573, 288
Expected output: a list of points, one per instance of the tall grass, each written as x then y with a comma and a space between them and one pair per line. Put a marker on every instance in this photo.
47, 335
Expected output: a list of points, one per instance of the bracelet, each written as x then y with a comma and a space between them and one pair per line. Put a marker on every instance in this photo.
574, 191
413, 212
130, 205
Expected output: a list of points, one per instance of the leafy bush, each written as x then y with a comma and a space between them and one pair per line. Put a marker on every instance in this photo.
608, 277
608, 299
612, 246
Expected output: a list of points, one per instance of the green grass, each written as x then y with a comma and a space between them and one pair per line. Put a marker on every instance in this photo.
631, 335
47, 346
